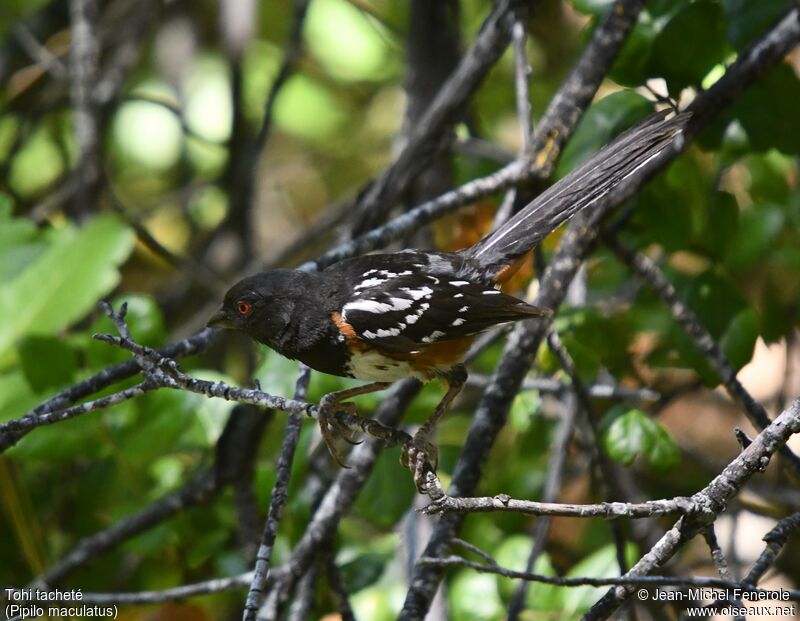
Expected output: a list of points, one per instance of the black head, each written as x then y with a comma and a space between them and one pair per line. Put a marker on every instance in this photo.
260, 305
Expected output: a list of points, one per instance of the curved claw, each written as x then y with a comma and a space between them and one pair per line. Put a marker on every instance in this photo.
324, 419
420, 456
328, 406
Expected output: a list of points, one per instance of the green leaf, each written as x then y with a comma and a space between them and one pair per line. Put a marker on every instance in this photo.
778, 309
473, 597
388, 492
625, 434
20, 244
664, 453
720, 226
631, 67
513, 553
766, 112
629, 433
592, 7
740, 338
525, 405
346, 42
47, 362
600, 564
758, 227
715, 301
65, 281
363, 570
748, 20
690, 45
16, 395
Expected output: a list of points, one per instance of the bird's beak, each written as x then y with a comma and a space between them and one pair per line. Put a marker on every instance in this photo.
219, 320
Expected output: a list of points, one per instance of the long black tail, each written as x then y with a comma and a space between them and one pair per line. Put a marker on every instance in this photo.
581, 188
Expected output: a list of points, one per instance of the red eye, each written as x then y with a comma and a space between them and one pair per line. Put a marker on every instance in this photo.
244, 308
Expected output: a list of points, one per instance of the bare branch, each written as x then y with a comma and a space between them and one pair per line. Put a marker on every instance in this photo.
609, 510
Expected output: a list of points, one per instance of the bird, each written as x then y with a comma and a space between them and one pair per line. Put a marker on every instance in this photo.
383, 317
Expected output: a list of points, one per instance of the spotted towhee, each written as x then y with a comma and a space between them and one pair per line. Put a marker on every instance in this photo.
384, 317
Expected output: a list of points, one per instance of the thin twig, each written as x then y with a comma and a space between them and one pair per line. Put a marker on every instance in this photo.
721, 563
279, 495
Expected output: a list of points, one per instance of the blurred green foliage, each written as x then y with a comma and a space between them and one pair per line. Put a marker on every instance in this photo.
724, 220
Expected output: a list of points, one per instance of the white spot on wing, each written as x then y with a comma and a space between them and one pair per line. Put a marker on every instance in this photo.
458, 322
459, 283
400, 303
491, 292
463, 309
432, 336
368, 306
458, 295
370, 282
418, 294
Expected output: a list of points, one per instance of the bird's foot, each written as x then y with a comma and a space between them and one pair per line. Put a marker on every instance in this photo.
329, 405
421, 457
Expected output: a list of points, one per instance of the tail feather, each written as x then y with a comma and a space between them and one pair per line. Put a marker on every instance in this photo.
582, 187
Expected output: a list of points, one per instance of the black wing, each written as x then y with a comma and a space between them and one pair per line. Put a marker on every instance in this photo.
402, 310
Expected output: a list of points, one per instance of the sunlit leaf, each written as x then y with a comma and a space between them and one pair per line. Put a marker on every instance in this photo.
513, 554
307, 109
37, 165
146, 132
629, 433
345, 41
65, 281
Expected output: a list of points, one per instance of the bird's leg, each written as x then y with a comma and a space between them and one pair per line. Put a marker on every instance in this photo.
419, 454
332, 403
